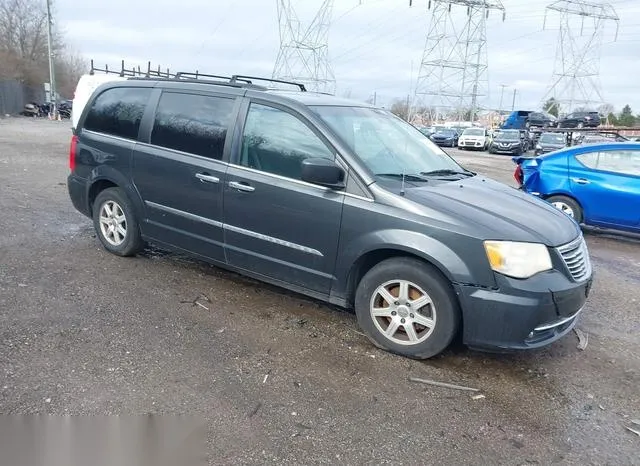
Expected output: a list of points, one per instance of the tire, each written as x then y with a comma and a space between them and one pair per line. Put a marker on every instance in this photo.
443, 309
111, 238
575, 209
580, 125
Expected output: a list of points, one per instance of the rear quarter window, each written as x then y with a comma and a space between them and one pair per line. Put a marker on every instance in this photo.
118, 111
192, 123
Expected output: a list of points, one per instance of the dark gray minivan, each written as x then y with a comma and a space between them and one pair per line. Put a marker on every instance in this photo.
332, 198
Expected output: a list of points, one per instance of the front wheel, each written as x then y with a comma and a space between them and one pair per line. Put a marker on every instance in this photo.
568, 206
405, 306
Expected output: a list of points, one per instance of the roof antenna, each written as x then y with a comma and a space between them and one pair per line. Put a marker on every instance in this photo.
402, 187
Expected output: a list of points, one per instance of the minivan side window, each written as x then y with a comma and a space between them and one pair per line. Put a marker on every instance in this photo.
277, 142
118, 111
192, 123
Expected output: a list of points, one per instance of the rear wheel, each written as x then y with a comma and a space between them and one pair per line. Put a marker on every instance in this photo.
405, 306
568, 206
116, 224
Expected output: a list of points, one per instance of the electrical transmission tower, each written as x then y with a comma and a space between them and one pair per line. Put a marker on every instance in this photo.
304, 51
453, 71
576, 71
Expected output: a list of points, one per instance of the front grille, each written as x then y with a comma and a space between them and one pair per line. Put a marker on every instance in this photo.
576, 258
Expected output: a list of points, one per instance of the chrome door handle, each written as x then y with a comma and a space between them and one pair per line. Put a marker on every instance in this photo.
207, 178
241, 186
581, 181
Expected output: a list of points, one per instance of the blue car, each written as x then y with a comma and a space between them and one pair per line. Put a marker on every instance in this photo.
596, 184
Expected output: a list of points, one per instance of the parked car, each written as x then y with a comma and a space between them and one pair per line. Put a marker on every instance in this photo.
509, 141
426, 130
541, 119
597, 138
445, 137
549, 142
580, 120
331, 198
597, 185
474, 138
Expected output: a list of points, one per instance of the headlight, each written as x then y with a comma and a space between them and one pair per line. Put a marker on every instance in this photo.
539, 147
517, 260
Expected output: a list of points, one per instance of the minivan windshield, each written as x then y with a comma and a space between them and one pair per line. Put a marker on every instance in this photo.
473, 132
508, 136
387, 145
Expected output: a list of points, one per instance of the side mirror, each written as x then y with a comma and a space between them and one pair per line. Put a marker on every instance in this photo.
323, 172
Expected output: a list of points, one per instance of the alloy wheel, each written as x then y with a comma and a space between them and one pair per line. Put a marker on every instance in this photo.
403, 312
113, 223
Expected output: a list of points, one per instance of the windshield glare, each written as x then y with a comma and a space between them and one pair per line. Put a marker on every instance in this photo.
473, 132
552, 138
385, 143
508, 136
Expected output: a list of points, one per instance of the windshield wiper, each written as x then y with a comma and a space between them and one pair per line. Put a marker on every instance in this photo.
447, 171
406, 176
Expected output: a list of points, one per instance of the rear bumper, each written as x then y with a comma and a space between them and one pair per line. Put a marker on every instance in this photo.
78, 193
521, 314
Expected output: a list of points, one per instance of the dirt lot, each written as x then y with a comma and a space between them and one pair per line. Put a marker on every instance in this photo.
278, 377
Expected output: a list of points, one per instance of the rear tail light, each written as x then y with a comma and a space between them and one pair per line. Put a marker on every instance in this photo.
73, 148
518, 175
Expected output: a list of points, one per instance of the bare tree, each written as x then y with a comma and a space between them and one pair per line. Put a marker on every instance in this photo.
24, 48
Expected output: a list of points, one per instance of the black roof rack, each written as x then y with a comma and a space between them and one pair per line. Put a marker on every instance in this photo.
236, 80
133, 72
239, 77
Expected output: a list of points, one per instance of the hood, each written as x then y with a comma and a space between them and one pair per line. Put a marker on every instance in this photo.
472, 138
497, 210
442, 136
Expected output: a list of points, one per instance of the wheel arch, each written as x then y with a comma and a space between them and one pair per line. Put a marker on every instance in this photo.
373, 257
104, 177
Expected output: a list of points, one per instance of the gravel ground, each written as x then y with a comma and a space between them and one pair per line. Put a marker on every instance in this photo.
278, 377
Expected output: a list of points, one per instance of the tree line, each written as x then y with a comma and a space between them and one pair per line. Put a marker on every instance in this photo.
24, 53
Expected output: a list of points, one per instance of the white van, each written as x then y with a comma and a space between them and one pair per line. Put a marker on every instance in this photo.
86, 85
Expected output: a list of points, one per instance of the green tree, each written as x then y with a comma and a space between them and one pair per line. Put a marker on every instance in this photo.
612, 119
626, 117
552, 106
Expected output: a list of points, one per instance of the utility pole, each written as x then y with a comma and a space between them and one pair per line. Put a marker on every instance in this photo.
52, 73
513, 103
501, 96
375, 98
408, 107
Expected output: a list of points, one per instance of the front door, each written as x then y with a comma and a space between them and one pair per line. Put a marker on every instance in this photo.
607, 183
276, 225
180, 174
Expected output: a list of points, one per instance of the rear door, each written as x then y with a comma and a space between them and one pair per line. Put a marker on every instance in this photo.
180, 170
607, 184
277, 225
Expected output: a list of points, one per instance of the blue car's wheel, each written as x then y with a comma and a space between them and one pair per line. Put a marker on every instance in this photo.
567, 205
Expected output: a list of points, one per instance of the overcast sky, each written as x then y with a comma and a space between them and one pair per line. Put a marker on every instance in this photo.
374, 44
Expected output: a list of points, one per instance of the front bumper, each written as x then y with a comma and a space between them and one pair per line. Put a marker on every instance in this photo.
471, 144
506, 150
521, 314
444, 142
